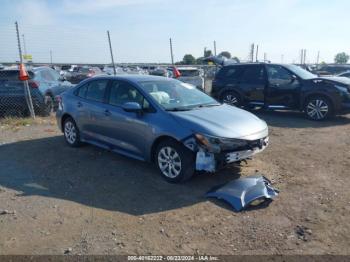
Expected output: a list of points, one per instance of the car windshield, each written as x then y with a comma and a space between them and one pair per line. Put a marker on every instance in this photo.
302, 73
174, 95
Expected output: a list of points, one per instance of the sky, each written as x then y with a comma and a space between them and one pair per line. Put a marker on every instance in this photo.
75, 30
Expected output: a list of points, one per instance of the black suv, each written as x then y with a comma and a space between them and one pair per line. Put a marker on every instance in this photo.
274, 86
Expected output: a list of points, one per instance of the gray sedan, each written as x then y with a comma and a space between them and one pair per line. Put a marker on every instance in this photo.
161, 120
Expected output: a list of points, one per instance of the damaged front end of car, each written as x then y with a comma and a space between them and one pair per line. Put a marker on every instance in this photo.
213, 153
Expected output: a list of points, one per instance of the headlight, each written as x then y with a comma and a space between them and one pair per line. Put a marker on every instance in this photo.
217, 144
342, 89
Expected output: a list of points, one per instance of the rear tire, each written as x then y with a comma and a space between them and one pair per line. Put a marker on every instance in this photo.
318, 108
231, 98
175, 162
71, 133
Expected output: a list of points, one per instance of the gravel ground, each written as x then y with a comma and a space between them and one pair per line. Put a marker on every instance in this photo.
55, 199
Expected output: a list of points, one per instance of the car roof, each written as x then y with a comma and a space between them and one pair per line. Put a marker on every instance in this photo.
258, 63
134, 78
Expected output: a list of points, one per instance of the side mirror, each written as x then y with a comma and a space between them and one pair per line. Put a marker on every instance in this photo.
293, 79
132, 107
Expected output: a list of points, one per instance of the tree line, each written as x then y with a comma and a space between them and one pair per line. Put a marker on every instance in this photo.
189, 59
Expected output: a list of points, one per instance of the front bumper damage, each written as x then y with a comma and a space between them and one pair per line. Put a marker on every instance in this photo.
210, 159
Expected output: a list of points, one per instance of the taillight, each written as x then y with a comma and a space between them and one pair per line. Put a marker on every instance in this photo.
58, 99
33, 84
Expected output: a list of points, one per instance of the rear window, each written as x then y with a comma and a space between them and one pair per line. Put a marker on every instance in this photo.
13, 75
189, 72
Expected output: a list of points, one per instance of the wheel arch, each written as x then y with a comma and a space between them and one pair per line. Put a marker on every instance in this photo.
156, 142
63, 118
315, 94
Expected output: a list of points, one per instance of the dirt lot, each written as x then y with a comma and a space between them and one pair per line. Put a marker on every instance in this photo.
91, 201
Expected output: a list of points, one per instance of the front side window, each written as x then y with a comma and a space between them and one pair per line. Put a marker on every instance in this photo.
96, 90
280, 77
122, 92
176, 95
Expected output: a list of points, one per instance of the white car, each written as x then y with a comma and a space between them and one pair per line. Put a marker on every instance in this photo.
191, 75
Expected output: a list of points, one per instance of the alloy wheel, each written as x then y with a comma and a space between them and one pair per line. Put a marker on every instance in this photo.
169, 162
317, 109
70, 132
230, 99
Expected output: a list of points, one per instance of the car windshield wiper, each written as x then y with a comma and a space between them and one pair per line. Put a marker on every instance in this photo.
178, 109
207, 105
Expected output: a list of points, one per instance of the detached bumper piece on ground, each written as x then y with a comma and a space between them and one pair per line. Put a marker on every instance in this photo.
244, 192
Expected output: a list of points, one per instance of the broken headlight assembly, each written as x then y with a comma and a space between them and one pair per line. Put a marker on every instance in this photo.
218, 144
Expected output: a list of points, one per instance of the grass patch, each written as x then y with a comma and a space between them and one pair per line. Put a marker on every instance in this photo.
17, 122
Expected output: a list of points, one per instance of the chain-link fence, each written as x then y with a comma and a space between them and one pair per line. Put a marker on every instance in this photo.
14, 97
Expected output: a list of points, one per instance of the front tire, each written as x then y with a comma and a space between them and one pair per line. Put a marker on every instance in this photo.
318, 108
175, 162
71, 133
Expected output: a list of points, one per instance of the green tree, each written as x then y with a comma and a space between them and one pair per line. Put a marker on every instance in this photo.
189, 60
199, 61
225, 54
208, 53
341, 58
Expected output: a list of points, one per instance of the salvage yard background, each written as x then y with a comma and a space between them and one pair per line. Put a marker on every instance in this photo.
55, 199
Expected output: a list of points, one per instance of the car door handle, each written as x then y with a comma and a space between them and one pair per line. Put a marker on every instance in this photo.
107, 112
79, 104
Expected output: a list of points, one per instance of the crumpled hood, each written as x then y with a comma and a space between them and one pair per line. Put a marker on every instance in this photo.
223, 121
240, 193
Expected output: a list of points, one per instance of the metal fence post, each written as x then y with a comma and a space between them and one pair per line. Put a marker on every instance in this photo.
110, 49
25, 83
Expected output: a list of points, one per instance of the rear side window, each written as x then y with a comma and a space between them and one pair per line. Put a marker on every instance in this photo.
82, 91
253, 75
96, 90
231, 72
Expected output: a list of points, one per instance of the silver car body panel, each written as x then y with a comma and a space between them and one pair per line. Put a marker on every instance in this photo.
242, 192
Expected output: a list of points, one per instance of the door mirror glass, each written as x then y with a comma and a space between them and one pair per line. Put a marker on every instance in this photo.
132, 107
